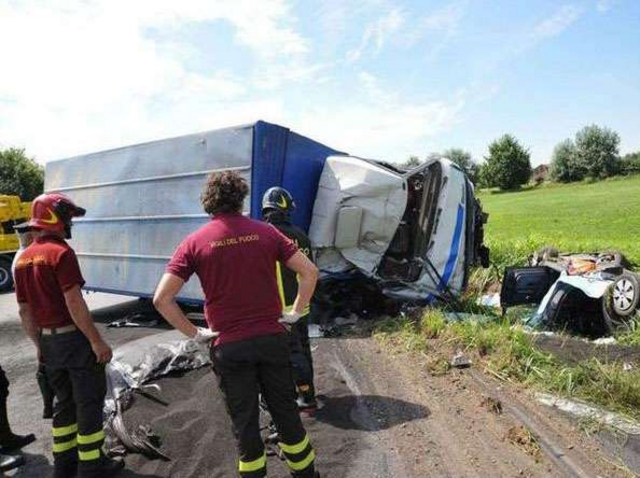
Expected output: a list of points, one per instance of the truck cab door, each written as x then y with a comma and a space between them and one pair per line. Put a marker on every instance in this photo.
357, 210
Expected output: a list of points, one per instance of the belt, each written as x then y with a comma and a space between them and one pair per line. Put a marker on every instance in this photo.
59, 330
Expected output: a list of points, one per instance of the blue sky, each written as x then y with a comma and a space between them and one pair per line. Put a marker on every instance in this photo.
376, 78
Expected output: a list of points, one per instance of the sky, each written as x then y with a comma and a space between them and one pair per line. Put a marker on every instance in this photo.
383, 79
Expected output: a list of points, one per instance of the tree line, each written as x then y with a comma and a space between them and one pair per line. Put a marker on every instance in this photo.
592, 154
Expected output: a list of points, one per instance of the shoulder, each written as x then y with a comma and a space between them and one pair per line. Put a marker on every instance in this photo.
259, 226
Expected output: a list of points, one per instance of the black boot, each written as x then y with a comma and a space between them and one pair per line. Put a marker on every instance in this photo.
65, 470
106, 468
8, 440
8, 462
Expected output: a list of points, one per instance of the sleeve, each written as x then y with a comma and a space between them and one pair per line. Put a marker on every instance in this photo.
286, 247
182, 262
68, 271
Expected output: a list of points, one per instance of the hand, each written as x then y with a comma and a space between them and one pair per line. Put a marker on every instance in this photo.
204, 335
102, 351
289, 318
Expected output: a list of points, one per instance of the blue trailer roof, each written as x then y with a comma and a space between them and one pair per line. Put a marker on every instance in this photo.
287, 159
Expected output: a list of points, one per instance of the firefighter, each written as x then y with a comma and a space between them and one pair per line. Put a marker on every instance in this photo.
277, 206
235, 259
9, 441
25, 238
56, 318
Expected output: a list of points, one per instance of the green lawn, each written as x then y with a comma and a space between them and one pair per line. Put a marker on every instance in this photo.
580, 217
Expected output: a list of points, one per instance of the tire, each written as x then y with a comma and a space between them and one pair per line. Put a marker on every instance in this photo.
620, 303
6, 279
546, 254
613, 259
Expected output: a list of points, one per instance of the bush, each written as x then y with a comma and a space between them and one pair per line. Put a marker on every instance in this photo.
463, 159
564, 165
597, 151
20, 175
508, 165
630, 163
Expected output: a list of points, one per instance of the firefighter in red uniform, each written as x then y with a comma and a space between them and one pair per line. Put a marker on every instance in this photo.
56, 318
235, 259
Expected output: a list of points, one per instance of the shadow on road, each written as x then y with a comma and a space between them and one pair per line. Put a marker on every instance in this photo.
37, 465
132, 474
368, 412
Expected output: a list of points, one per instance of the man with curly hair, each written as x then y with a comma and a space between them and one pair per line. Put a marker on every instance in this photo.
235, 259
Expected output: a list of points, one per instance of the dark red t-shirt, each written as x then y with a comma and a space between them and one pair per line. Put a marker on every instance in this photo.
44, 272
235, 259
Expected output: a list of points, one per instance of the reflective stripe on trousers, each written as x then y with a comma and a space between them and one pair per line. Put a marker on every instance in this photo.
67, 439
89, 446
300, 455
64, 439
256, 467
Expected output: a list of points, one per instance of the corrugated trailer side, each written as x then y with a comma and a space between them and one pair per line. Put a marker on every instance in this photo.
142, 200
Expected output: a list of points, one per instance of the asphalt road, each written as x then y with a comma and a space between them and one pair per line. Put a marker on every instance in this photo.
18, 359
385, 416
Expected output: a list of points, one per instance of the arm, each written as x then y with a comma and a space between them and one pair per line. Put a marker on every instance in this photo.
83, 320
165, 301
27, 322
307, 279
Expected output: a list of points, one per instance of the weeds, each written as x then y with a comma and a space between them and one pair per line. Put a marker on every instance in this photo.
632, 336
508, 353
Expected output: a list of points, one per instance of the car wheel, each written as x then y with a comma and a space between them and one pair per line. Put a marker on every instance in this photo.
6, 280
625, 294
620, 303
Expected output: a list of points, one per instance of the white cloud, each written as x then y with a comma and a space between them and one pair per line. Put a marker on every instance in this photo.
603, 6
376, 34
553, 26
88, 75
382, 125
444, 19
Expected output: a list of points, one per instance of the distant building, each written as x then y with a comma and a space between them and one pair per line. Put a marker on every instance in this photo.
540, 173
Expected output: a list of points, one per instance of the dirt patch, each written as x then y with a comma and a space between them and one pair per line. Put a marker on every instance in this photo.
492, 405
573, 350
522, 438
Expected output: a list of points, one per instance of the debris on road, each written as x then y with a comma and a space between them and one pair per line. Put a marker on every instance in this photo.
492, 405
128, 373
524, 439
461, 360
135, 320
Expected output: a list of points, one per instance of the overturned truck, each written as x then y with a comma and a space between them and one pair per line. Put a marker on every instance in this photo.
415, 234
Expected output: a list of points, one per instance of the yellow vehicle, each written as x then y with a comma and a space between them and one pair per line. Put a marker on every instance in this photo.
12, 212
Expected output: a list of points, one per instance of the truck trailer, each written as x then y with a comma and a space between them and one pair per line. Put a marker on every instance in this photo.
415, 233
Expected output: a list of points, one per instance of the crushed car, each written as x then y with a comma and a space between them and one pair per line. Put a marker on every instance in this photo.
592, 294
416, 233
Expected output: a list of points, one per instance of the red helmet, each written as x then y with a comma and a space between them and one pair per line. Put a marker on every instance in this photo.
53, 212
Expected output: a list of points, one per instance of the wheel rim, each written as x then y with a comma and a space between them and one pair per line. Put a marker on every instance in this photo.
4, 276
623, 295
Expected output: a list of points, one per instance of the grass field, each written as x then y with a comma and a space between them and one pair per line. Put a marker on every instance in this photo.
580, 217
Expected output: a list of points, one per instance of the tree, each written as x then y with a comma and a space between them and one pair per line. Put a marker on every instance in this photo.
630, 163
411, 163
463, 159
564, 164
597, 151
508, 164
20, 175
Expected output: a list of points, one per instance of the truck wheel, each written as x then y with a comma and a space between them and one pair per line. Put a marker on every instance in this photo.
620, 303
6, 280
